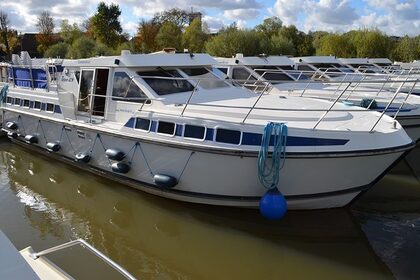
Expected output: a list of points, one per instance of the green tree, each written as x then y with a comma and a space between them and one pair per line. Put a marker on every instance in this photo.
45, 38
169, 36
82, 47
194, 37
145, 40
57, 50
335, 44
298, 38
69, 33
406, 50
370, 43
270, 26
231, 41
281, 45
105, 25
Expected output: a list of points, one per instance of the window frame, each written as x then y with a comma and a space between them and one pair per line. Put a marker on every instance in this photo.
23, 103
192, 138
150, 124
40, 105
14, 101
46, 107
162, 133
222, 128
146, 100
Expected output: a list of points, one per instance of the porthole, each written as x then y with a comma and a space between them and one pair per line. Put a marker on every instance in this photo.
228, 136
142, 124
194, 131
166, 128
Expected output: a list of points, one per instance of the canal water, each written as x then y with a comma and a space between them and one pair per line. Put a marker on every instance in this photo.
45, 203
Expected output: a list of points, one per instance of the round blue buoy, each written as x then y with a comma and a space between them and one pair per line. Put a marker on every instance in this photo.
273, 205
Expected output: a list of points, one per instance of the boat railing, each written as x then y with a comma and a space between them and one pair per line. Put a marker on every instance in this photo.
33, 77
347, 85
89, 247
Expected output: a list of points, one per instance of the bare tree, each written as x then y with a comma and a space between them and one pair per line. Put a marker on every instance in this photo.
4, 30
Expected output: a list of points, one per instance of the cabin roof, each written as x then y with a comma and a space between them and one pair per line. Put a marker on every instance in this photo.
256, 60
144, 60
380, 60
316, 59
354, 60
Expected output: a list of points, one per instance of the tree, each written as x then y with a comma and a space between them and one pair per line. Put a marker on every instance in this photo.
194, 37
231, 41
69, 33
45, 27
176, 16
145, 41
105, 25
4, 30
82, 47
337, 45
408, 49
370, 43
280, 45
57, 50
296, 37
169, 36
270, 26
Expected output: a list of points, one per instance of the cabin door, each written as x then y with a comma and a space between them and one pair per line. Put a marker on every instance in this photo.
92, 93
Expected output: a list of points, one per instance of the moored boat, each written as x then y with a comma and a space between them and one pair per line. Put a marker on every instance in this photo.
165, 124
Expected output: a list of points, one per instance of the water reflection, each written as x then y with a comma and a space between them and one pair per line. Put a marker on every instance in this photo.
156, 238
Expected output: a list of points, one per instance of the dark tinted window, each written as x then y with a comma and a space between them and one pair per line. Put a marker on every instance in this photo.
160, 83
17, 101
26, 103
305, 68
50, 107
37, 105
273, 75
166, 127
228, 136
125, 89
241, 74
77, 74
195, 71
143, 124
9, 100
193, 131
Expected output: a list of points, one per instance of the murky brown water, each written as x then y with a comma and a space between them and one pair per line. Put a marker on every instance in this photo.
45, 203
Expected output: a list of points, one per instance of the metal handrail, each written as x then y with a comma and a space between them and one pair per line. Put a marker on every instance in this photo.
86, 245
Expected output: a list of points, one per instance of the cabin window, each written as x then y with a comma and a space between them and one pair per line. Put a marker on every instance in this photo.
160, 81
272, 74
17, 101
305, 68
77, 75
142, 124
125, 89
228, 136
223, 69
194, 131
50, 107
26, 103
9, 100
166, 128
37, 105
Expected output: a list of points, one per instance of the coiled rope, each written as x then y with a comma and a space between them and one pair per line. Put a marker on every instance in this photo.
269, 174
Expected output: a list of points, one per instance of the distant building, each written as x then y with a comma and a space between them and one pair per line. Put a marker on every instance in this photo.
193, 15
30, 44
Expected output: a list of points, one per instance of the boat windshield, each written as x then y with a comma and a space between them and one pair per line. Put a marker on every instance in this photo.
272, 74
204, 78
160, 81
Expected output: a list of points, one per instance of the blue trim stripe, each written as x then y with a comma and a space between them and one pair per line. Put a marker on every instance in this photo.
43, 106
153, 126
390, 109
254, 139
178, 131
130, 123
210, 133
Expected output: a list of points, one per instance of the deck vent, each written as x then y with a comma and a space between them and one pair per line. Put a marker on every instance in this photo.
120, 167
11, 125
115, 154
31, 139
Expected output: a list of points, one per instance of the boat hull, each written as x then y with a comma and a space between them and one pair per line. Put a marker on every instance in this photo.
308, 180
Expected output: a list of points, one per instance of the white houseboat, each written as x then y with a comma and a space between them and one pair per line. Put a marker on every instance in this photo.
165, 124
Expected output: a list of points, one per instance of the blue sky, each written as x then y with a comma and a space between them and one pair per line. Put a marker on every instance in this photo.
395, 17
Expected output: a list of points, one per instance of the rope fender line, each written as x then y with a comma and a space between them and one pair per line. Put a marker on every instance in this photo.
269, 174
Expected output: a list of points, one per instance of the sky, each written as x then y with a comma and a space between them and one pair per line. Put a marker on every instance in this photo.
394, 17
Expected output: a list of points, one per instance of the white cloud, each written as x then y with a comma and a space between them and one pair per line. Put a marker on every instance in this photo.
241, 14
